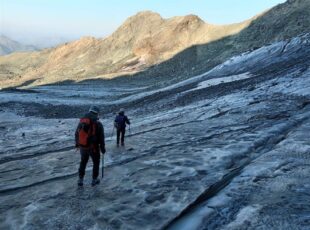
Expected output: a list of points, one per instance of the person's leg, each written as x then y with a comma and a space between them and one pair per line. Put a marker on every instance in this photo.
95, 156
84, 159
118, 133
123, 136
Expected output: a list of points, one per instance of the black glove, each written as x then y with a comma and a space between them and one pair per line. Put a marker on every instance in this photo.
103, 150
77, 145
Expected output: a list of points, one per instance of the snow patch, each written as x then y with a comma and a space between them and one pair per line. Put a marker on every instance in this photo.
245, 214
221, 80
28, 210
219, 201
193, 220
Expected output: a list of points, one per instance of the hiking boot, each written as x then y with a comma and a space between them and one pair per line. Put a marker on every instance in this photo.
95, 181
80, 182
117, 145
123, 144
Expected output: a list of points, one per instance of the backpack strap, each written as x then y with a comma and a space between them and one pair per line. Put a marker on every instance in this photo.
93, 133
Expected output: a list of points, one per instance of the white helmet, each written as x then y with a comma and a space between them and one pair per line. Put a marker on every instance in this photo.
94, 109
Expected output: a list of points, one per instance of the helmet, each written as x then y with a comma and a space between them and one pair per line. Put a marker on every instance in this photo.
94, 109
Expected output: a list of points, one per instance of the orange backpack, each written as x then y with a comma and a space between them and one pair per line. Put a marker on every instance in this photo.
87, 132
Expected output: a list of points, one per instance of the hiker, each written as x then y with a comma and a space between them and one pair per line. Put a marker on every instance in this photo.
120, 124
89, 137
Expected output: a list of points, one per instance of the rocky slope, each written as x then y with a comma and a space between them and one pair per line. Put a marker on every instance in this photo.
8, 46
284, 21
143, 40
146, 40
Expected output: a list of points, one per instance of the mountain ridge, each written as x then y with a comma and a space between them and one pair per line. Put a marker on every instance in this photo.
7, 46
146, 39
141, 41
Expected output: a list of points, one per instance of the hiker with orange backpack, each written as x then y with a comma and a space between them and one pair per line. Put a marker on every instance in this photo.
89, 138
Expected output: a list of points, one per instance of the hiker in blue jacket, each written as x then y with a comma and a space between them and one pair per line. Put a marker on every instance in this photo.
120, 124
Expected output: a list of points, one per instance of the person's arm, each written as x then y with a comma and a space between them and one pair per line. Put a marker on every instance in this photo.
77, 135
127, 120
115, 122
101, 138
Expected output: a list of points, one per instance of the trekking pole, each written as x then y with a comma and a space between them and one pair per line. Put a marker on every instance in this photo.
112, 131
129, 130
102, 165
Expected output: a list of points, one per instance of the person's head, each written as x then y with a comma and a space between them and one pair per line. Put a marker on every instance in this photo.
121, 112
95, 110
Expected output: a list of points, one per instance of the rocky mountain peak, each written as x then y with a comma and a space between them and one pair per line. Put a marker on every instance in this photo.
144, 18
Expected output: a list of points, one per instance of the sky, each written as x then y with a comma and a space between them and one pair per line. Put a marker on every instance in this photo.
32, 20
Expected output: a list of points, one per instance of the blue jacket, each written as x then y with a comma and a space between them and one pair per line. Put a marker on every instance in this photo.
120, 121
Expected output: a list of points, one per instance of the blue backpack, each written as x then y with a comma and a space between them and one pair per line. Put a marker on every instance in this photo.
120, 122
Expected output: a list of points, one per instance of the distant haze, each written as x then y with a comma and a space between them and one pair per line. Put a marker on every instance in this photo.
46, 23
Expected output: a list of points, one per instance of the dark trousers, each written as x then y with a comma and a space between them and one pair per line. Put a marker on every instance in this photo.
85, 153
120, 134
